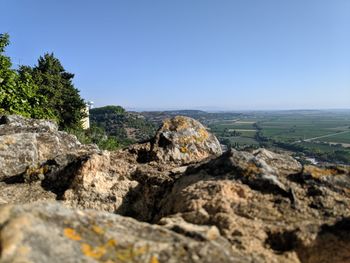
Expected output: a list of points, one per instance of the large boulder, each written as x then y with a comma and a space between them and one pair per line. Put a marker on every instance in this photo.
29, 144
35, 152
181, 140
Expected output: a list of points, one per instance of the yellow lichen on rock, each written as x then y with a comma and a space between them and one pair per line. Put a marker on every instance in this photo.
203, 135
175, 124
154, 259
111, 243
97, 230
183, 140
130, 253
72, 234
317, 172
99, 251
183, 149
93, 252
37, 169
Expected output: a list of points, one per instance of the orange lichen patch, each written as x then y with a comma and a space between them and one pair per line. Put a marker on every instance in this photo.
97, 230
185, 139
175, 124
93, 252
154, 259
183, 149
317, 172
111, 243
203, 135
98, 252
72, 234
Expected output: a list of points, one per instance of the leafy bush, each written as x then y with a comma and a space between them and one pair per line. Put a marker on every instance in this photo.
96, 135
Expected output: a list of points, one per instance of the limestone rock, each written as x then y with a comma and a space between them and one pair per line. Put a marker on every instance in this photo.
181, 140
199, 232
11, 124
266, 204
34, 150
28, 143
48, 232
101, 182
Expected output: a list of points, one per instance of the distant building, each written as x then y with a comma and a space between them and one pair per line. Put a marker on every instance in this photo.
86, 120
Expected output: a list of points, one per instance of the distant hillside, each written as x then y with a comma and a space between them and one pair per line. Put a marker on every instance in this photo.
127, 127
156, 117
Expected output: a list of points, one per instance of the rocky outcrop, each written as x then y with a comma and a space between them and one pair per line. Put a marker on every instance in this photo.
48, 232
129, 182
39, 162
28, 145
267, 205
180, 140
35, 152
196, 205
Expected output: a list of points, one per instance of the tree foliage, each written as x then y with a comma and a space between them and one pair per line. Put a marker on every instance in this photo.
126, 127
109, 109
56, 83
19, 94
44, 91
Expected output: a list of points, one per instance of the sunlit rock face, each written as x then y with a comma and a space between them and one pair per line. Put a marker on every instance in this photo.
182, 140
50, 232
29, 144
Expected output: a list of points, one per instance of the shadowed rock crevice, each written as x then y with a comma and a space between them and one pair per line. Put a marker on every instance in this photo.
282, 242
16, 179
59, 179
143, 156
331, 244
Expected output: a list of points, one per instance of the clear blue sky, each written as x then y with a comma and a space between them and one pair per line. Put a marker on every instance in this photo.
216, 54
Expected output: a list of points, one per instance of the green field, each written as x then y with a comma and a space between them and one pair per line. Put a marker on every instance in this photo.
322, 134
243, 141
339, 138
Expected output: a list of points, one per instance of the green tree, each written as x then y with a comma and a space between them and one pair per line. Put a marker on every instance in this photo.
56, 83
8, 77
18, 92
109, 109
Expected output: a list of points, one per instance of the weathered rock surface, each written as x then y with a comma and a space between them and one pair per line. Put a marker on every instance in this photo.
267, 205
27, 145
35, 151
240, 206
48, 232
181, 140
130, 182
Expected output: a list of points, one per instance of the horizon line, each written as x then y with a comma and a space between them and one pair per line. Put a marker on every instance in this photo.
218, 109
